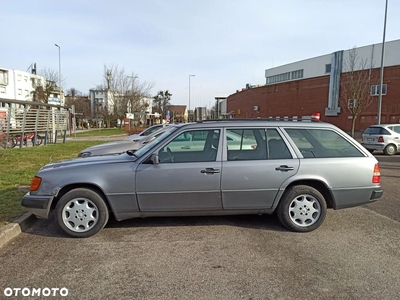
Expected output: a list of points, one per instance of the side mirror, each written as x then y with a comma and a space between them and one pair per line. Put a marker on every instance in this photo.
154, 159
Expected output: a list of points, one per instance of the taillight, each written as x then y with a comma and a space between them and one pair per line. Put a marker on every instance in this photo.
376, 177
380, 139
35, 183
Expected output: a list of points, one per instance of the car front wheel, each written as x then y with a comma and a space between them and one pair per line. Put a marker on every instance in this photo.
81, 213
302, 208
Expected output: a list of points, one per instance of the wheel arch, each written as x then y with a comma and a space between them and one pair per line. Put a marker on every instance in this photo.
318, 185
70, 187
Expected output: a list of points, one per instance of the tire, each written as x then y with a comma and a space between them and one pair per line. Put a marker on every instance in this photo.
390, 149
37, 140
302, 208
9, 144
81, 213
370, 150
13, 142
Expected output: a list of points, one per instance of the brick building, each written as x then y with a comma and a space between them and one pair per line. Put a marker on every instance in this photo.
314, 85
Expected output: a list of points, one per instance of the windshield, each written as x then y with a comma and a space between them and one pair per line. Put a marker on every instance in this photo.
142, 151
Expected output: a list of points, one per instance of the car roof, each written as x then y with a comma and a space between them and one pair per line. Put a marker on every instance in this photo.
257, 122
384, 125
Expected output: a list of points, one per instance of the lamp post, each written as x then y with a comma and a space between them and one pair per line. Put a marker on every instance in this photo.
59, 69
381, 73
132, 93
189, 89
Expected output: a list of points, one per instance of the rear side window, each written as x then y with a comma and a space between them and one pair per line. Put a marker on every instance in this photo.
322, 143
376, 130
395, 128
256, 144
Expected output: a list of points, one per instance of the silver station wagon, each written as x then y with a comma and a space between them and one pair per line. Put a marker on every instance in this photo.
222, 167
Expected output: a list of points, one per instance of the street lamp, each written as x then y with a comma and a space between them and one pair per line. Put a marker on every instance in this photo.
132, 92
59, 69
381, 73
189, 89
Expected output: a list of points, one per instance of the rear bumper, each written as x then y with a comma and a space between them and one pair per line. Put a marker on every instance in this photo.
38, 205
378, 147
345, 198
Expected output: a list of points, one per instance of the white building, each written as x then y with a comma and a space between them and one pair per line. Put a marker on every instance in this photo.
20, 85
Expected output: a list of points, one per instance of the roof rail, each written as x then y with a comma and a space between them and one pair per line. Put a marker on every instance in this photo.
304, 119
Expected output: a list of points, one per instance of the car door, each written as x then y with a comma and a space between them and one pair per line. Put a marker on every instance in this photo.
252, 176
185, 179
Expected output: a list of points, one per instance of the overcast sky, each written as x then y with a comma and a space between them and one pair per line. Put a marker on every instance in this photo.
224, 43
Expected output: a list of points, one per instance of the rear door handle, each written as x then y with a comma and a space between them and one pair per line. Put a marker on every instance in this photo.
284, 168
209, 171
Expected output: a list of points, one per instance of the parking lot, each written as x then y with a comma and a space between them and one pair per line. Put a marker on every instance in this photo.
353, 255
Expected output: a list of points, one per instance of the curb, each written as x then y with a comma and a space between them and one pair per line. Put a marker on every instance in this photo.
12, 230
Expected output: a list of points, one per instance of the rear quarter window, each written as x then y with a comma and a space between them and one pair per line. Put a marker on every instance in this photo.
322, 143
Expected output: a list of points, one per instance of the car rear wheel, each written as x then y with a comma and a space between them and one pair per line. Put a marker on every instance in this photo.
302, 208
81, 213
390, 150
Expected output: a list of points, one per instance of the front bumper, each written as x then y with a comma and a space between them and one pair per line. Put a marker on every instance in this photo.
38, 205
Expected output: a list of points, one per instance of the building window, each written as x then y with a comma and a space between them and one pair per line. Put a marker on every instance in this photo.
297, 74
3, 77
278, 78
2, 90
375, 89
328, 68
352, 103
19, 77
19, 92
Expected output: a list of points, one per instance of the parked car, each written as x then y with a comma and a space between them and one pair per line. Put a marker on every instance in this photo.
146, 132
296, 169
122, 146
383, 137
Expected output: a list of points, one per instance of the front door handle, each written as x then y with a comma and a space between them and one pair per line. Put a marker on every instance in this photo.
284, 168
185, 147
209, 171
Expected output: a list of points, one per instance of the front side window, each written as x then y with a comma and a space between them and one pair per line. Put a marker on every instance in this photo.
191, 146
322, 143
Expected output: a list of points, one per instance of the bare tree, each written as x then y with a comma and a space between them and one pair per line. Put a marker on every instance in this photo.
50, 75
161, 102
82, 106
43, 90
355, 86
125, 92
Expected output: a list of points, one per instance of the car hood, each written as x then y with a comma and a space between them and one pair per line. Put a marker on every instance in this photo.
105, 159
110, 144
133, 137
112, 148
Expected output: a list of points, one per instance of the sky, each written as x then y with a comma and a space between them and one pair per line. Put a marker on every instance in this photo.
224, 43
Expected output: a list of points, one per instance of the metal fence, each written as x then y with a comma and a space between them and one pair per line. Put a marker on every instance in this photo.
23, 122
